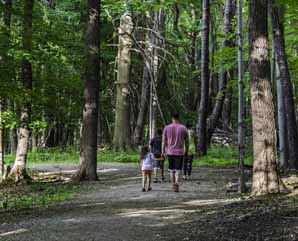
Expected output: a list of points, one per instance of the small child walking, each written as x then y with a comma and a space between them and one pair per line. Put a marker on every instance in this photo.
147, 159
156, 146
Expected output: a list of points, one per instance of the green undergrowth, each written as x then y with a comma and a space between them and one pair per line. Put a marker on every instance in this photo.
34, 195
217, 156
221, 156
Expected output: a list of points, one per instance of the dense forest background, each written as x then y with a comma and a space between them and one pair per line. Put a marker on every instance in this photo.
156, 58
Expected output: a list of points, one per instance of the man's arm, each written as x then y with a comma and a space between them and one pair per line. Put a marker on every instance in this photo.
164, 144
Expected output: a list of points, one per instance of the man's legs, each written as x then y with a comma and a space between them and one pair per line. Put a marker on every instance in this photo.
172, 170
173, 179
179, 164
184, 167
177, 177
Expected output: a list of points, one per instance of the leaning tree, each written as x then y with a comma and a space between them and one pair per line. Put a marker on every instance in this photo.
19, 169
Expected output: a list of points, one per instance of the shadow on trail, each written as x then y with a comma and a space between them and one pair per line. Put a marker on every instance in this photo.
115, 209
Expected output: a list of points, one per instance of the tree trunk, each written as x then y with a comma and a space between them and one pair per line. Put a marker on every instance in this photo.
139, 130
241, 100
19, 169
88, 143
229, 14
213, 83
122, 138
203, 109
176, 17
227, 109
13, 141
5, 70
265, 176
157, 44
280, 51
2, 146
282, 125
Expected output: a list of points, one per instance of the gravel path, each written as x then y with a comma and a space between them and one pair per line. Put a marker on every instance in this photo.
115, 209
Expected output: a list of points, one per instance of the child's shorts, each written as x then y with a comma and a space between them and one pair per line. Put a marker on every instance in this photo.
158, 164
147, 172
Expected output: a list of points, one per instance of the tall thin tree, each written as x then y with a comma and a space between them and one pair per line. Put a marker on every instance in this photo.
122, 134
88, 143
241, 100
282, 125
4, 69
229, 14
201, 135
276, 14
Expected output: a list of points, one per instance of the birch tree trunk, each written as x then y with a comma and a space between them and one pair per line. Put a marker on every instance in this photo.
19, 169
122, 138
285, 78
201, 135
265, 176
88, 143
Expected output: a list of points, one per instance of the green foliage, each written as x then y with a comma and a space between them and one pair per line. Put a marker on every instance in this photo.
8, 120
35, 195
222, 156
38, 126
217, 156
120, 157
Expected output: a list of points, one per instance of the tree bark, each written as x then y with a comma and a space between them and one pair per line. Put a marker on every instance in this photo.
285, 78
229, 14
213, 83
282, 125
19, 169
176, 17
203, 109
227, 109
5, 71
13, 141
88, 143
139, 130
2, 146
241, 100
157, 44
122, 138
265, 176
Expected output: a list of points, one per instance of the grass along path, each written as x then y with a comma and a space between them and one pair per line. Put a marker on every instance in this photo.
217, 156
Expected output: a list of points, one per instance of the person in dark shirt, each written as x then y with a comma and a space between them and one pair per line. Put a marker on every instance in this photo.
156, 149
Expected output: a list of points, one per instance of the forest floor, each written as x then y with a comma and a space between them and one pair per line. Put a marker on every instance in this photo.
115, 209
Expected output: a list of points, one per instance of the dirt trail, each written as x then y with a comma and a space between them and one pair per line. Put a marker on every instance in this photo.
115, 209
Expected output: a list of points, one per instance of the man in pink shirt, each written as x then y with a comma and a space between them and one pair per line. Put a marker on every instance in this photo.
175, 145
